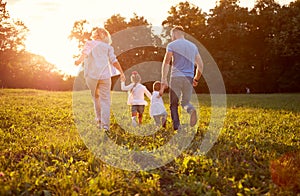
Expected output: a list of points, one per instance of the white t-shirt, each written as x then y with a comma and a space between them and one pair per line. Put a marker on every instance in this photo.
157, 106
136, 93
99, 60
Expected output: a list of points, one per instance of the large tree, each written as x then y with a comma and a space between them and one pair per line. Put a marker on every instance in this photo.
19, 68
189, 16
228, 31
257, 48
285, 46
251, 47
12, 33
12, 37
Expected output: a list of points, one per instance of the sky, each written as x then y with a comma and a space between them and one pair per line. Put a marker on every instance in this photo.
50, 21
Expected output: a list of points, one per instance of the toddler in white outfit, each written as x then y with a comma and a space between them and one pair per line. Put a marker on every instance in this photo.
157, 107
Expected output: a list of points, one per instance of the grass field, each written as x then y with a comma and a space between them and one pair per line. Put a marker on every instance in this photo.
43, 152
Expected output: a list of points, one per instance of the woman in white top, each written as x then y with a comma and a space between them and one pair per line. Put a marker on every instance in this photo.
157, 107
98, 56
136, 98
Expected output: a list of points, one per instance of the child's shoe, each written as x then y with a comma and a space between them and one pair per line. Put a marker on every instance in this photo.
134, 123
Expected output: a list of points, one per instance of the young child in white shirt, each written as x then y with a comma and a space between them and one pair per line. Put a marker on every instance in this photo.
157, 107
136, 98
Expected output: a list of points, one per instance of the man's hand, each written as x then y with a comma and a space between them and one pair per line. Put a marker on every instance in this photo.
195, 82
162, 88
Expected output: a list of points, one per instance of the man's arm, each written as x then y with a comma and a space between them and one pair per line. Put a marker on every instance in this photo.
199, 70
166, 67
164, 71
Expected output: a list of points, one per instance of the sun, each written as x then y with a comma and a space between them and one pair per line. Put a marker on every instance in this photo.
48, 34
56, 48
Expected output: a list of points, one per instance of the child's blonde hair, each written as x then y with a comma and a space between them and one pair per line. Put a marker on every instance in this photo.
102, 34
135, 77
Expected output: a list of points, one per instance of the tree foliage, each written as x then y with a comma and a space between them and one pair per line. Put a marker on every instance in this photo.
257, 48
19, 68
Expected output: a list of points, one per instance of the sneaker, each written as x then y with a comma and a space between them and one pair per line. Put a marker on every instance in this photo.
134, 123
193, 118
106, 128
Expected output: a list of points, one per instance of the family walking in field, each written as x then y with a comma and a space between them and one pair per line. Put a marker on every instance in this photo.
99, 58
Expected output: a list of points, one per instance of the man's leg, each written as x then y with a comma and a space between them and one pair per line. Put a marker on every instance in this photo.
187, 91
174, 102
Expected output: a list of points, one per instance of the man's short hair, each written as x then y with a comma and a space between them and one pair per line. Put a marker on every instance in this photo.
178, 28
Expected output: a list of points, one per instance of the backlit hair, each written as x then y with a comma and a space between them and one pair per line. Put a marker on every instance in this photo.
101, 34
178, 29
156, 85
135, 77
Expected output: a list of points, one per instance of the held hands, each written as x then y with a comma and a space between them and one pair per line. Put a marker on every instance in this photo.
122, 77
164, 85
195, 82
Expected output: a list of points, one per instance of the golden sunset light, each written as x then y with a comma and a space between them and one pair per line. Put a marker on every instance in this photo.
50, 21
150, 97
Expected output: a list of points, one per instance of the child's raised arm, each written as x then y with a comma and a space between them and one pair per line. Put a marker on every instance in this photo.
126, 88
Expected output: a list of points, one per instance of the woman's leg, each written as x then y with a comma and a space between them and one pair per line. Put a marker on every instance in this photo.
105, 101
93, 85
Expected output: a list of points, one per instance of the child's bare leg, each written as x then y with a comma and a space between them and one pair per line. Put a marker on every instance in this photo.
133, 117
140, 118
164, 121
157, 120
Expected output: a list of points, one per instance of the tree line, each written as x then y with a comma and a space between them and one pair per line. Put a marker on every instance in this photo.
256, 48
20, 68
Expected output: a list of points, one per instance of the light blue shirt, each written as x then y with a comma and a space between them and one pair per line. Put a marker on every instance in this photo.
184, 53
97, 64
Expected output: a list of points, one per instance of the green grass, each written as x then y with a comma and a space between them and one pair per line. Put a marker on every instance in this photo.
44, 152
